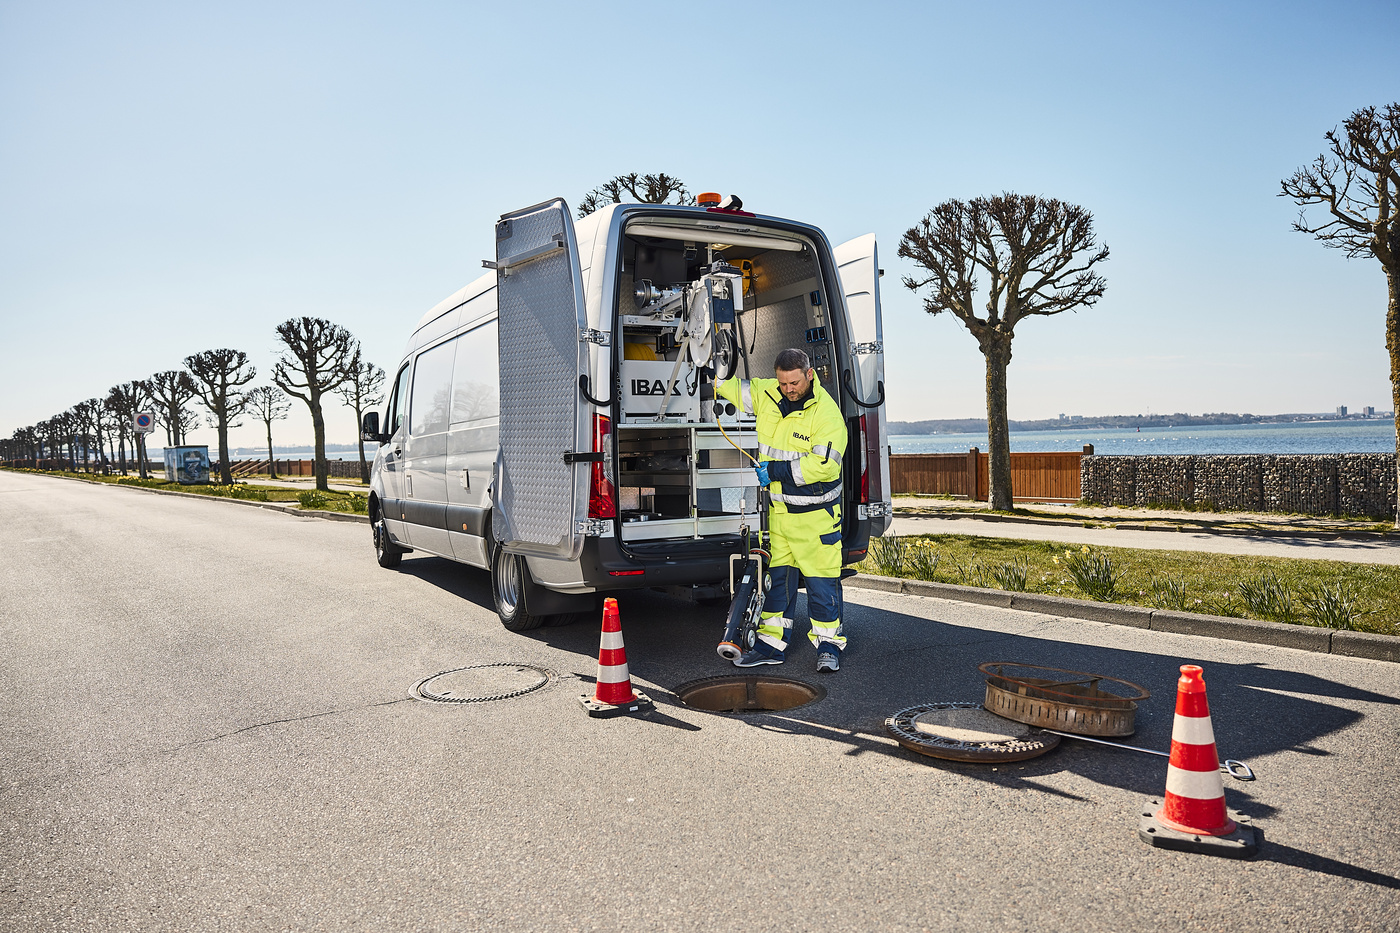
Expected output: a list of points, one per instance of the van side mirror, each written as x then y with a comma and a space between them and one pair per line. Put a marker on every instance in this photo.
369, 428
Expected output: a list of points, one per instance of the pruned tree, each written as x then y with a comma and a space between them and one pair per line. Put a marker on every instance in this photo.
125, 401
1038, 255
361, 392
1358, 181
172, 390
646, 189
269, 405
317, 360
217, 376
84, 424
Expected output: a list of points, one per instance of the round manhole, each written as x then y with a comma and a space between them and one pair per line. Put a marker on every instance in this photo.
753, 693
481, 683
966, 732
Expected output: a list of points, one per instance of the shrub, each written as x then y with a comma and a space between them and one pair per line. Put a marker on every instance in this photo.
1169, 593
1268, 598
1092, 572
889, 554
1011, 575
313, 499
1333, 605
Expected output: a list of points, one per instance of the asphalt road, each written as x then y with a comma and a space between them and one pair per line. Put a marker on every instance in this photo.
209, 726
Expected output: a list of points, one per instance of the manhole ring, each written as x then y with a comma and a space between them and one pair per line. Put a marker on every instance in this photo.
966, 732
482, 683
748, 693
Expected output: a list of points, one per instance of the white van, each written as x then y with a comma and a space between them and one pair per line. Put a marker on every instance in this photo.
550, 421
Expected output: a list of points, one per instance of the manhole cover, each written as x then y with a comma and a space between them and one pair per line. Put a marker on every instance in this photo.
481, 683
753, 693
966, 732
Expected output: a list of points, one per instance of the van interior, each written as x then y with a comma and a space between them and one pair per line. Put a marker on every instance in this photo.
679, 473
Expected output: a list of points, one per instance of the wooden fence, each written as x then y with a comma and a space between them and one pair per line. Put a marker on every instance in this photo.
1042, 477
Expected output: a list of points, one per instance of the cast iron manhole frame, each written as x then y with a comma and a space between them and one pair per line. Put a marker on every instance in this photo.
818, 692
901, 727
546, 675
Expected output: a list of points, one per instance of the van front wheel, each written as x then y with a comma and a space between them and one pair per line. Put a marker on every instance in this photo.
508, 575
385, 551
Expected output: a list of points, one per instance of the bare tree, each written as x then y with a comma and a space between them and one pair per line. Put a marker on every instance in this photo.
217, 376
269, 404
647, 189
1038, 254
317, 360
1358, 180
361, 392
125, 401
84, 426
171, 391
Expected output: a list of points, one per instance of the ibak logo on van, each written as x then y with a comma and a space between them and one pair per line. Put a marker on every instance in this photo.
657, 387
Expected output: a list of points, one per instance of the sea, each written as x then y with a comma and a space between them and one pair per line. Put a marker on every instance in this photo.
1302, 437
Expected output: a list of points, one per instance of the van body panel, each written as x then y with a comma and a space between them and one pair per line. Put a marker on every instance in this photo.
540, 496
858, 263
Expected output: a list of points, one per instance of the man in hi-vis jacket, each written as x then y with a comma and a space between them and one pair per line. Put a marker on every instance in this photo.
801, 439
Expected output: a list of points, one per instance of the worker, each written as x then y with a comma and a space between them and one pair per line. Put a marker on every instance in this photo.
801, 440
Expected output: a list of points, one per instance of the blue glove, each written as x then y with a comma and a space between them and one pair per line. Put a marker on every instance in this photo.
761, 471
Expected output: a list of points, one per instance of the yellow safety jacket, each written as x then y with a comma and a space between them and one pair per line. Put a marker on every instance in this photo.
809, 436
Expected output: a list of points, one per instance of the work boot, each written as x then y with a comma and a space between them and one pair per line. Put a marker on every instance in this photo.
827, 661
754, 658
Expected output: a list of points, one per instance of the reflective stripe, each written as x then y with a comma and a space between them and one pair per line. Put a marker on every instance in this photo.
831, 496
775, 635
796, 468
1192, 730
826, 631
612, 674
611, 640
1197, 785
772, 642
825, 450
773, 453
745, 397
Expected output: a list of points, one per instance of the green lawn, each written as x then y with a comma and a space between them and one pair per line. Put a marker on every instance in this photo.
333, 501
1363, 597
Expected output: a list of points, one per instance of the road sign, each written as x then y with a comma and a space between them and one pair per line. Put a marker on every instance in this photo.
144, 422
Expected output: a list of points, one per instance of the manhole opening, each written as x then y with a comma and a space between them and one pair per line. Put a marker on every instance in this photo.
482, 683
754, 693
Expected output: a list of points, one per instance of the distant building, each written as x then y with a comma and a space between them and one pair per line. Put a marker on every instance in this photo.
1369, 411
1341, 411
1062, 416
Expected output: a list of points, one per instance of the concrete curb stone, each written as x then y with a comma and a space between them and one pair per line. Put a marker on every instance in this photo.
1367, 645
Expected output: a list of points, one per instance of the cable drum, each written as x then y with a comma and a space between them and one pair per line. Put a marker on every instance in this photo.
482, 683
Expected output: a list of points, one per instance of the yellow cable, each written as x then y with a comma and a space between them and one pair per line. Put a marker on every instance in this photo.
720, 424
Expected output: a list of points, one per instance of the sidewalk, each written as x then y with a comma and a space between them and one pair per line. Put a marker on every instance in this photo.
336, 483
1297, 536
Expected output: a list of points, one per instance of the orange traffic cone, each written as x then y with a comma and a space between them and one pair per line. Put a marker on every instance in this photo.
1191, 815
613, 695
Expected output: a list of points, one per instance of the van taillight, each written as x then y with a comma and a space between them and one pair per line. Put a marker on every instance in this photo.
864, 465
602, 497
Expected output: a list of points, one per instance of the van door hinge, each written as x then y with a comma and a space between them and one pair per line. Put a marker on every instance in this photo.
593, 528
589, 335
865, 349
877, 509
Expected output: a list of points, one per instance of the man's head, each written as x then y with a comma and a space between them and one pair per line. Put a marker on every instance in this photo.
795, 374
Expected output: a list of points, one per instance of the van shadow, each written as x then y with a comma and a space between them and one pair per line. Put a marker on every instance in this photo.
897, 660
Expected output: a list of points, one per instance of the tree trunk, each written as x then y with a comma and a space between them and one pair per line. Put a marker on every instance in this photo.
225, 474
364, 467
141, 455
271, 464
1392, 343
121, 451
318, 424
998, 355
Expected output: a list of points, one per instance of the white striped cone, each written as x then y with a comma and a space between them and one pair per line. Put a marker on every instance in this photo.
614, 682
1195, 798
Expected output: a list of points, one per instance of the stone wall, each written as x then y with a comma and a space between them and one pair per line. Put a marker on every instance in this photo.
1310, 484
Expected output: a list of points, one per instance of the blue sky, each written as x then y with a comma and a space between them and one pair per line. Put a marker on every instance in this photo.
179, 177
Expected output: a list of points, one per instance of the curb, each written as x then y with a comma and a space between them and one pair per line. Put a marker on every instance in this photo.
272, 506
1106, 525
1367, 645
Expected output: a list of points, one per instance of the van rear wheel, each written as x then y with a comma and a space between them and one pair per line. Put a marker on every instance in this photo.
508, 576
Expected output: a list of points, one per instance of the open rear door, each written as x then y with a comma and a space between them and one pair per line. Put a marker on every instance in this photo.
858, 264
541, 490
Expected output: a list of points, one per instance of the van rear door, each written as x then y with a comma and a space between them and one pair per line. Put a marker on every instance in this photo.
858, 264
540, 490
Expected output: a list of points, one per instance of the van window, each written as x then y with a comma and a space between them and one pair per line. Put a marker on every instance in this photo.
476, 388
394, 417
432, 389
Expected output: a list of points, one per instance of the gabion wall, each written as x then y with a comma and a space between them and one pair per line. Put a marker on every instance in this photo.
1310, 484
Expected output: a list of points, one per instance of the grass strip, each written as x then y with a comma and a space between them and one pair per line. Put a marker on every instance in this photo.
1328, 593
332, 501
